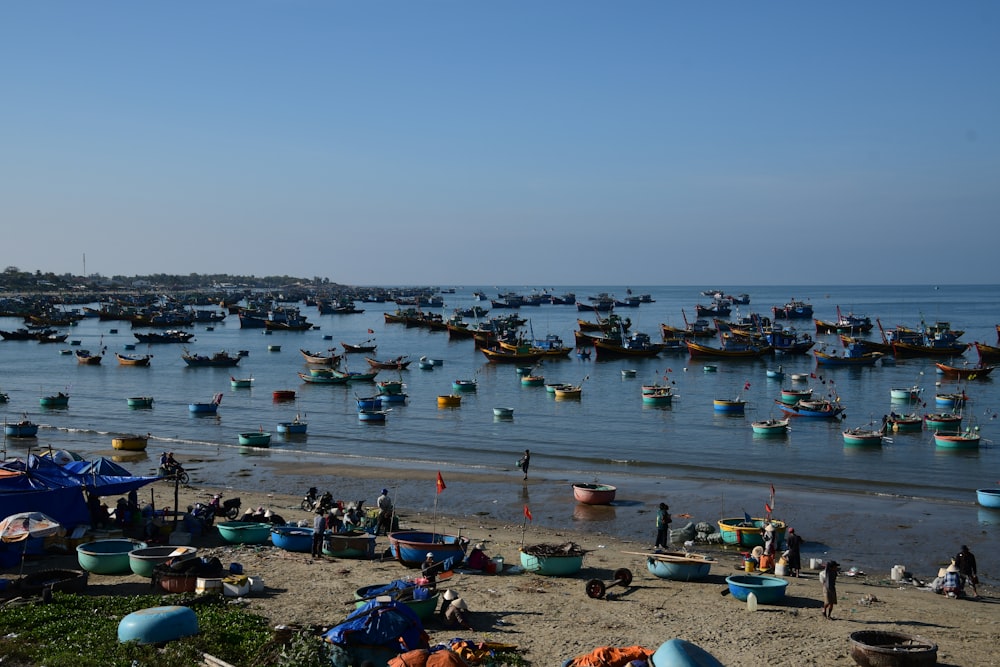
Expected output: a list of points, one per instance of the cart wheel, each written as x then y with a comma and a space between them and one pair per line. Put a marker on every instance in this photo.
623, 576
595, 588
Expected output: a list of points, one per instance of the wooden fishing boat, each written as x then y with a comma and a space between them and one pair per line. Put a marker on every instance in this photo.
130, 443
398, 363
733, 347
366, 346
322, 379
793, 396
206, 408
943, 421
255, 439
139, 401
979, 371
215, 360
967, 439
793, 310
770, 427
356, 544
854, 355
86, 358
502, 356
240, 383
907, 422
679, 566
594, 494
987, 353
638, 345
411, 547
879, 648
552, 560
863, 437
845, 324
988, 498
749, 533
906, 350
354, 376
134, 359
814, 409
21, 429
449, 400
60, 400
169, 336
320, 359
729, 405
569, 391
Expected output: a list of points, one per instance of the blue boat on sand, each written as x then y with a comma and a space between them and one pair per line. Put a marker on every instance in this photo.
410, 547
678, 566
988, 498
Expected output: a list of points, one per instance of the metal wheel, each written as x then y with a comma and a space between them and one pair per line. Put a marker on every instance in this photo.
233, 513
595, 588
306, 505
623, 575
183, 477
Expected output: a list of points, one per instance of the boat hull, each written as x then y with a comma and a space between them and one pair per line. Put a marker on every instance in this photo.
411, 547
678, 568
877, 648
767, 589
355, 545
292, 538
740, 532
988, 498
20, 430
140, 401
130, 443
594, 494
255, 439
551, 566
956, 440
732, 407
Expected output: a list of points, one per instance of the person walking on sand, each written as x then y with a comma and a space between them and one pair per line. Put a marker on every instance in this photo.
793, 553
662, 527
828, 577
524, 461
319, 527
966, 563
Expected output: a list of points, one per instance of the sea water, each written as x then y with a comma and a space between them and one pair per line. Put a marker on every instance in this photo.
871, 505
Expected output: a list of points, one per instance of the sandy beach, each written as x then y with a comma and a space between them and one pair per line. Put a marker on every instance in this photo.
552, 619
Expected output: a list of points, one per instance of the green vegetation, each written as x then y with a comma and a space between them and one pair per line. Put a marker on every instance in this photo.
82, 631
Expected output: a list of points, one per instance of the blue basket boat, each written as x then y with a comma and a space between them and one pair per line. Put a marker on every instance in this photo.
768, 589
679, 566
410, 547
988, 498
292, 538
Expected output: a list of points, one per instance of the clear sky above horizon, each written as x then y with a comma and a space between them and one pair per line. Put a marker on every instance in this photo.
516, 142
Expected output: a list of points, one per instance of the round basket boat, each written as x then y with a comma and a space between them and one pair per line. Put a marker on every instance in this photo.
64, 581
424, 608
988, 498
767, 589
292, 538
679, 567
876, 648
353, 544
594, 494
142, 561
553, 562
244, 532
158, 624
107, 556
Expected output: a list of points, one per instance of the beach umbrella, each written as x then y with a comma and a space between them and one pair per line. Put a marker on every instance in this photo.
19, 527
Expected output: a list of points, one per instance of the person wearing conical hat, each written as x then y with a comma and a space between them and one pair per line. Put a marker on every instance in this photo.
952, 582
456, 615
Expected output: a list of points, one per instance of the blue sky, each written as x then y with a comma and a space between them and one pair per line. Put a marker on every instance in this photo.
475, 142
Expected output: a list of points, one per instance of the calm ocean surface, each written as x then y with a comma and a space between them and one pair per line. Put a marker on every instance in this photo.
875, 504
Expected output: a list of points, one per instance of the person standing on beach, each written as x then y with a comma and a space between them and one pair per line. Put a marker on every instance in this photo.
524, 461
793, 544
966, 563
828, 577
385, 508
319, 527
662, 527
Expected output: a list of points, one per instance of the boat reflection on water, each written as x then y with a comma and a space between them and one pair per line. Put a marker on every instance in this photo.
988, 517
583, 512
131, 457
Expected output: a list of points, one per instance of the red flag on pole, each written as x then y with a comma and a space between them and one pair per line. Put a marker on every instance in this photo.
767, 507
440, 483
527, 513
772, 491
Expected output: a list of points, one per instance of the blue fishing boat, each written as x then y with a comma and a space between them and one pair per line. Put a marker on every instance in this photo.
855, 354
561, 561
730, 406
22, 429
209, 408
294, 427
60, 400
370, 403
255, 439
749, 531
411, 547
292, 538
813, 409
678, 566
767, 589
988, 498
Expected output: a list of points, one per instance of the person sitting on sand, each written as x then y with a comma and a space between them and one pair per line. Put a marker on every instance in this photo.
952, 586
477, 558
456, 615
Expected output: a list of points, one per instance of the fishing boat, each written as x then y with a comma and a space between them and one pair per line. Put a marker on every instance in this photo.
294, 427
749, 531
765, 588
21, 429
283, 395
390, 387
523, 355
354, 376
255, 438
793, 396
464, 385
449, 400
552, 560
679, 566
905, 393
854, 355
977, 372
907, 422
168, 336
130, 443
319, 358
215, 360
139, 401
372, 416
660, 396
967, 439
86, 358
879, 648
770, 427
812, 409
776, 373
134, 359
729, 405
398, 363
594, 494
988, 498
367, 346
60, 400
240, 383
322, 379
206, 408
638, 345
356, 544
793, 310
987, 353
569, 391
734, 346
533, 380
943, 421
863, 436
951, 400
412, 546
503, 413
369, 402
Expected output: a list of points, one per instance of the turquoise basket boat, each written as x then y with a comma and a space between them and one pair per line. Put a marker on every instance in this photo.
144, 561
551, 565
740, 532
244, 532
767, 589
988, 498
107, 556
679, 566
354, 544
